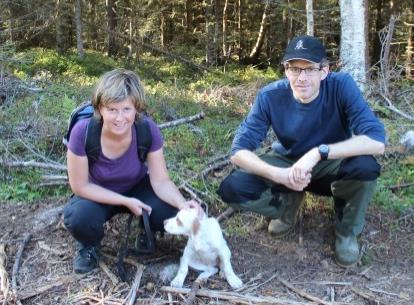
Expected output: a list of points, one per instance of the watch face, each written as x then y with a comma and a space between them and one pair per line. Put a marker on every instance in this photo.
324, 151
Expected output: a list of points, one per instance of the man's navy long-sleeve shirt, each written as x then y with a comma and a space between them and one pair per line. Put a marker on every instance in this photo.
338, 112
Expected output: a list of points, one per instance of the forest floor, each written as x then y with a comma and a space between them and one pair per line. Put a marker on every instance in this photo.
298, 269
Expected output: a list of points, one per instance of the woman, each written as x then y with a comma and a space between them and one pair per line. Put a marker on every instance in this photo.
117, 181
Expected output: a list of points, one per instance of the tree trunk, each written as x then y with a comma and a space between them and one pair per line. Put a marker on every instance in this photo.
254, 54
376, 50
112, 22
225, 44
189, 15
92, 32
309, 18
78, 22
240, 41
354, 51
62, 30
410, 45
211, 43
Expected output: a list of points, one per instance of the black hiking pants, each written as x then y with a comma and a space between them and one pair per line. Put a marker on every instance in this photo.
85, 218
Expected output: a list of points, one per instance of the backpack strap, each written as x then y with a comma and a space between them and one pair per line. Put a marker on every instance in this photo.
93, 140
144, 138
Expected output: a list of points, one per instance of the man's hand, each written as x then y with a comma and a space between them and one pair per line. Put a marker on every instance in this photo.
136, 206
298, 186
301, 170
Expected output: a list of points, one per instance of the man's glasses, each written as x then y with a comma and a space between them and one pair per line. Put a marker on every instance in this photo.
295, 71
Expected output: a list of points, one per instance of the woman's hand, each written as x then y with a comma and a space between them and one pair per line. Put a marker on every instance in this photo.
136, 206
192, 204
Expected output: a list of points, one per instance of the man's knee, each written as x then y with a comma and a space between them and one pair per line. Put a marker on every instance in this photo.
363, 168
228, 190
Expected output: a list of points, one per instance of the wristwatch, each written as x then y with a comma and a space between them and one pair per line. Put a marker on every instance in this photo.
323, 151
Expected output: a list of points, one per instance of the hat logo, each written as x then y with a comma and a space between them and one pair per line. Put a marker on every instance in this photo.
299, 45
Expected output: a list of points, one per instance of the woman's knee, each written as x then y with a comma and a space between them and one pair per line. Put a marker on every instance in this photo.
85, 226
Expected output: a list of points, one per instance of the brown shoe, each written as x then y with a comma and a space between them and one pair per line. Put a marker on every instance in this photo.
278, 228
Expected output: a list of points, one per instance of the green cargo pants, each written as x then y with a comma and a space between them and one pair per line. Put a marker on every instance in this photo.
351, 182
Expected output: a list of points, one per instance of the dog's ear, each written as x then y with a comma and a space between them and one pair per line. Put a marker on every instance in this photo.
195, 228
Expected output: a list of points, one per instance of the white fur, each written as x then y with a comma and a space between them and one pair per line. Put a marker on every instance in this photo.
206, 247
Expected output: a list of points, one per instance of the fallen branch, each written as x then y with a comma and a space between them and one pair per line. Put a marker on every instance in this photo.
132, 294
400, 186
231, 296
181, 121
32, 163
391, 107
215, 166
192, 294
370, 298
23, 295
112, 277
16, 265
4, 280
227, 213
303, 293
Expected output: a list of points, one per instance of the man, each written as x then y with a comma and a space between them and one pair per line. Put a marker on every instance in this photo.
326, 135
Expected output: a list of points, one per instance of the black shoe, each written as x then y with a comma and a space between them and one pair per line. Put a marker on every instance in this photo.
86, 259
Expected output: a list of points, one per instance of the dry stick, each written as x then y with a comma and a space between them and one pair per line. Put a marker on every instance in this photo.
231, 296
303, 293
400, 186
4, 280
193, 293
364, 295
16, 265
108, 272
132, 294
23, 295
32, 163
182, 121
227, 213
214, 166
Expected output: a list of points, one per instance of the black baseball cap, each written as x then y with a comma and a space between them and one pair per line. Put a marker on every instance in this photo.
305, 47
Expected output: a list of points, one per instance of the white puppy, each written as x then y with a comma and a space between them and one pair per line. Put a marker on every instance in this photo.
206, 248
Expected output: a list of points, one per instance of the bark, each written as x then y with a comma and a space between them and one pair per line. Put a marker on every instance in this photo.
225, 44
240, 41
62, 40
376, 51
254, 54
409, 52
210, 33
92, 28
353, 50
78, 23
309, 18
189, 15
112, 23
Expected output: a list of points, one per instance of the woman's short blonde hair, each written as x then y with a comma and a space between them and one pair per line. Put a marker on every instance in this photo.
116, 86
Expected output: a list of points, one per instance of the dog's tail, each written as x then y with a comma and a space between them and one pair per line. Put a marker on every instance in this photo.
168, 273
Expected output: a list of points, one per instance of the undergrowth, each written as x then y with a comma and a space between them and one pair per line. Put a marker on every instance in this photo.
33, 125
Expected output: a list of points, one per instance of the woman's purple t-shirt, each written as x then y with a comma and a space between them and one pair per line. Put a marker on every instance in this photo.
120, 174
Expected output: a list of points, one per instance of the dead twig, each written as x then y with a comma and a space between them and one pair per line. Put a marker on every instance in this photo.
132, 294
364, 295
23, 295
303, 293
231, 296
18, 257
192, 295
181, 121
32, 163
227, 213
400, 186
109, 273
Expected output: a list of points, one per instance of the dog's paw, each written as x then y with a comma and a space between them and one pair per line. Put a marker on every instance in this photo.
177, 282
234, 281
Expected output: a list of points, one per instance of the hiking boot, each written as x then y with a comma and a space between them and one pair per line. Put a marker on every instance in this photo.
278, 228
86, 258
346, 250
